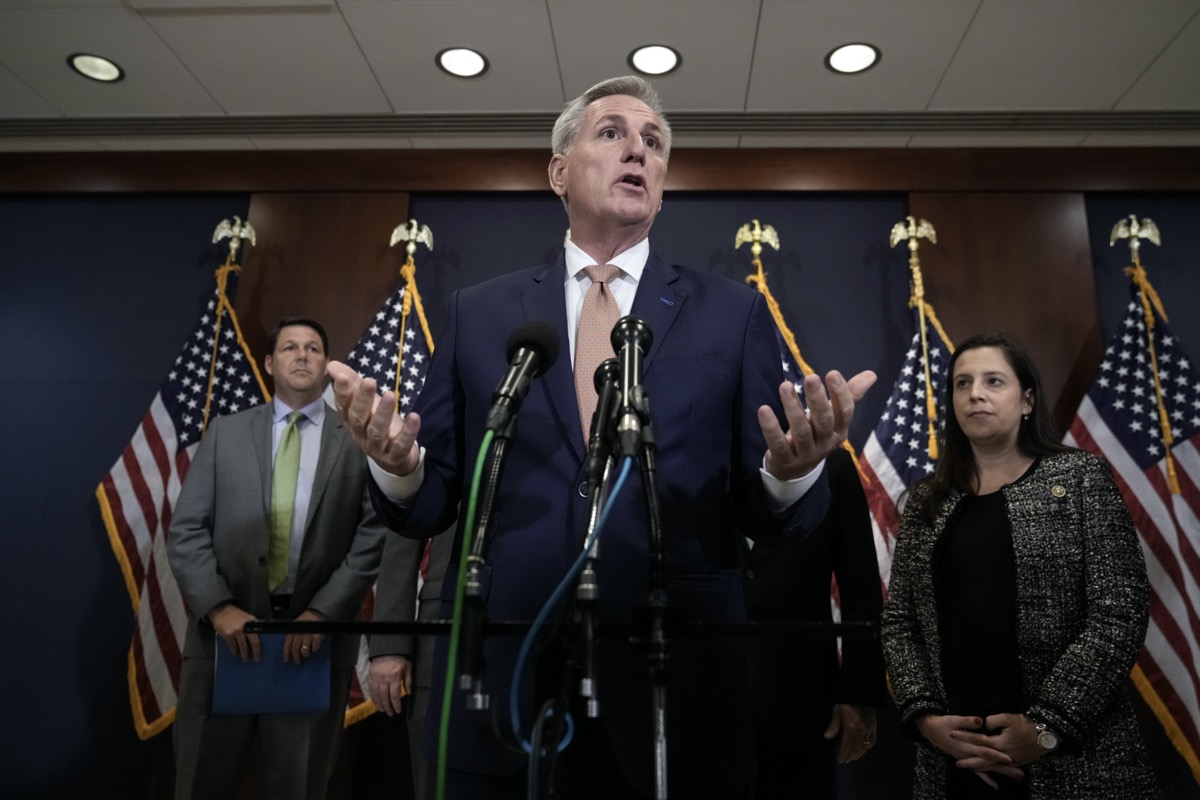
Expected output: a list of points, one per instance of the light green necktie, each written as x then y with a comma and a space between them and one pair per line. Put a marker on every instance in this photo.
283, 500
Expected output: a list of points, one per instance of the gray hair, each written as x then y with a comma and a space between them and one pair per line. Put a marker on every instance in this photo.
566, 128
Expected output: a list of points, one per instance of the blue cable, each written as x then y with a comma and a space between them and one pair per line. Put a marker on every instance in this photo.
555, 596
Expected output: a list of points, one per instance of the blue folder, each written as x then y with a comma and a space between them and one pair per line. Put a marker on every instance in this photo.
270, 686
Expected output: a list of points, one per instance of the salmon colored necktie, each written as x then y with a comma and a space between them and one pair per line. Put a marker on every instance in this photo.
593, 340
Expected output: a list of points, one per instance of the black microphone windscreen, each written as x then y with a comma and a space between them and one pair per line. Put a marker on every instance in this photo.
631, 329
609, 371
535, 335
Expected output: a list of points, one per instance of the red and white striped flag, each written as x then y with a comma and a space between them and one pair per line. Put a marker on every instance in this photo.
902, 448
214, 374
395, 351
1142, 413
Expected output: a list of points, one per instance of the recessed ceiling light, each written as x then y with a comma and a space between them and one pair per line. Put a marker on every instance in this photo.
851, 58
97, 68
462, 62
654, 59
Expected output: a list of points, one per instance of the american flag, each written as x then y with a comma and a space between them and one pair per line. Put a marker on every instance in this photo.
793, 368
1119, 418
395, 341
395, 351
213, 375
898, 452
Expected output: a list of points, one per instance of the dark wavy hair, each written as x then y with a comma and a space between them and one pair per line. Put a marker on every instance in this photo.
956, 468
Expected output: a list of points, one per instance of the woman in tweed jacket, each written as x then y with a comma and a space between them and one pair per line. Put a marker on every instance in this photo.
1017, 603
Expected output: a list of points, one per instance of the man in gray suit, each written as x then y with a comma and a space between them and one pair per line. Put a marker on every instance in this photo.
242, 548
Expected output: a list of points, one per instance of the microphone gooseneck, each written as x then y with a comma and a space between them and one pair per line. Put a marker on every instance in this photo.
607, 381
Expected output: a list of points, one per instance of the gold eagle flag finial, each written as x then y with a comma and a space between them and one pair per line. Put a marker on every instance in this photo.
411, 233
1135, 230
756, 236
234, 231
914, 230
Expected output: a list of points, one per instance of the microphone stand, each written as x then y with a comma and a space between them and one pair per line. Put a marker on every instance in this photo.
587, 598
656, 634
599, 465
473, 663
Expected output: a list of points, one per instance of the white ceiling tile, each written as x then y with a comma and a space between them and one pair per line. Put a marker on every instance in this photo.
36, 44
714, 38
1173, 80
286, 61
1059, 54
19, 99
794, 38
402, 40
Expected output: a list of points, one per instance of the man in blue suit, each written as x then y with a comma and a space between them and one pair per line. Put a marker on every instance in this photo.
717, 403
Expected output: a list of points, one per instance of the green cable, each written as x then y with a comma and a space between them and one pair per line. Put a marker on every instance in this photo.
456, 620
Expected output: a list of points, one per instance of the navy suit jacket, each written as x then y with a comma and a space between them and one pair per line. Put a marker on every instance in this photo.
712, 363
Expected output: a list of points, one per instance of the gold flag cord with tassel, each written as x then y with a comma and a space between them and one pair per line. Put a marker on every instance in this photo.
412, 298
913, 232
411, 233
756, 236
1151, 303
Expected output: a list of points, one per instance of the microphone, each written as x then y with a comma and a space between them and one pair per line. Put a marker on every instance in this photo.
607, 379
531, 350
631, 338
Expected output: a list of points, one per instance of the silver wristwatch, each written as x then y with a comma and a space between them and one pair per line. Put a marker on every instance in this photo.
1046, 738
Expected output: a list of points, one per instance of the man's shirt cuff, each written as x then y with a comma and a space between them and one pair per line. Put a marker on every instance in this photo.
398, 488
782, 495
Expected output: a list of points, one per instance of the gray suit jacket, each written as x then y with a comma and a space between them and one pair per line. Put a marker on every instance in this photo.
396, 597
218, 539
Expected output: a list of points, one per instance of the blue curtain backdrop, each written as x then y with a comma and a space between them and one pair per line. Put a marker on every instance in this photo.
98, 295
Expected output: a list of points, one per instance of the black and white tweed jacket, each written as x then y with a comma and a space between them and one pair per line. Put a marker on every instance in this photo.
1082, 608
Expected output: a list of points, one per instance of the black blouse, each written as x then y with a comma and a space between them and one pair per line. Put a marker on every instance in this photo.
976, 588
